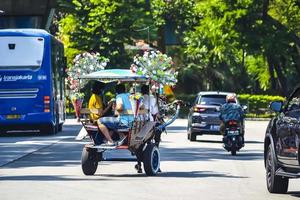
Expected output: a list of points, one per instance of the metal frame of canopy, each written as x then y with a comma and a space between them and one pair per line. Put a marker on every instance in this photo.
116, 75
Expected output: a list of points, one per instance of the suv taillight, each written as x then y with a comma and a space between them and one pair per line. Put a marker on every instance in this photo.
199, 109
232, 123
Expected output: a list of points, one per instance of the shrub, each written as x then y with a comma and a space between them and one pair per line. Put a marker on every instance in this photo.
258, 104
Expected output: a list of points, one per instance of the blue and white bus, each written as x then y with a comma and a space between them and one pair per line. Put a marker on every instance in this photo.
32, 67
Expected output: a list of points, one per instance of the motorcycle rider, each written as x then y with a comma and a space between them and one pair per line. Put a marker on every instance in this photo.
231, 110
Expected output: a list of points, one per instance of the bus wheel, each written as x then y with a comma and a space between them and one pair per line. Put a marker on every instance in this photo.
60, 126
53, 129
48, 129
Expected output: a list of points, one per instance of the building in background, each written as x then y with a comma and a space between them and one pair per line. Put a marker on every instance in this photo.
27, 13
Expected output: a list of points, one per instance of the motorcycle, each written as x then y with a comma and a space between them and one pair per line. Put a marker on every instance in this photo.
233, 136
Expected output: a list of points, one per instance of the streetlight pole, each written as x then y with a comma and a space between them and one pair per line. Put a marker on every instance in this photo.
148, 33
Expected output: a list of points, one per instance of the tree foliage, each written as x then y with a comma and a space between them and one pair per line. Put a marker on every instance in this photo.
103, 26
240, 44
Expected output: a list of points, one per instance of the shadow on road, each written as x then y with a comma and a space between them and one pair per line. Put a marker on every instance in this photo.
197, 174
49, 178
220, 141
254, 142
186, 174
176, 128
205, 153
51, 156
45, 151
209, 141
294, 194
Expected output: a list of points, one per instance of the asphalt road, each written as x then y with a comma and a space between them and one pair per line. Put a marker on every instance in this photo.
49, 167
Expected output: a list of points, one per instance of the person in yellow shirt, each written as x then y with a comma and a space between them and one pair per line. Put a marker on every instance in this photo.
96, 105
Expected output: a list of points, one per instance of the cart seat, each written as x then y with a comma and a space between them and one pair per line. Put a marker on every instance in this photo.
123, 130
91, 127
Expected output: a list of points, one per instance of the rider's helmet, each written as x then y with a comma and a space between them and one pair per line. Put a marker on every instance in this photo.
231, 98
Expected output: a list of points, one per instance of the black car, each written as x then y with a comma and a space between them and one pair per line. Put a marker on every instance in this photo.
204, 114
281, 145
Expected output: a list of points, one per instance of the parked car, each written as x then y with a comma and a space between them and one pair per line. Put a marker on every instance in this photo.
204, 114
281, 144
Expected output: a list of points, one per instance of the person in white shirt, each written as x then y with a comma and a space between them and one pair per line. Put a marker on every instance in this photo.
150, 102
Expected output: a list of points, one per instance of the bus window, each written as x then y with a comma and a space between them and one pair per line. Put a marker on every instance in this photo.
21, 52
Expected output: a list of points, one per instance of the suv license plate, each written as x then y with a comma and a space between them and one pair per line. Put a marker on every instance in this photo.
13, 116
215, 127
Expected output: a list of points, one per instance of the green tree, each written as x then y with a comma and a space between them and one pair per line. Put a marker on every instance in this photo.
103, 26
239, 44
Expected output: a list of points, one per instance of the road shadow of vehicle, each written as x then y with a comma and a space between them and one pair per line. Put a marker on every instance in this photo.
134, 175
253, 142
197, 174
209, 141
207, 154
294, 194
220, 141
185, 174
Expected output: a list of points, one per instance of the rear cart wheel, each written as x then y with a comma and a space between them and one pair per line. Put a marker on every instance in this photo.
89, 161
233, 152
151, 160
193, 137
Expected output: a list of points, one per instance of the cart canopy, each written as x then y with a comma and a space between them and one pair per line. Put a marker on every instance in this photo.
109, 75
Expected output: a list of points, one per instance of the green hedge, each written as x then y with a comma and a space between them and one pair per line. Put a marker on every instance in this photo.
258, 105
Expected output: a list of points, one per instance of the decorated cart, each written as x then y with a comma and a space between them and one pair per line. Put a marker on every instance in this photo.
142, 137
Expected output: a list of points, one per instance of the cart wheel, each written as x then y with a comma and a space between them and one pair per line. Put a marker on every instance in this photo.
89, 161
151, 160
233, 152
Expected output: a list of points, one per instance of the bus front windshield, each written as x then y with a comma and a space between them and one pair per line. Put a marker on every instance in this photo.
19, 52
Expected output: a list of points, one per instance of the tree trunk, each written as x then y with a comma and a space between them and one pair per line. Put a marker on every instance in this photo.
281, 79
272, 76
296, 59
294, 37
161, 39
265, 8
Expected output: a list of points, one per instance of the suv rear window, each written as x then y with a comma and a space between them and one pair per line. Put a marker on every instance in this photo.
212, 100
